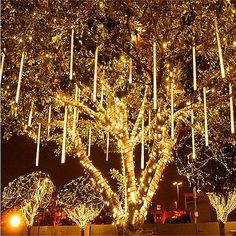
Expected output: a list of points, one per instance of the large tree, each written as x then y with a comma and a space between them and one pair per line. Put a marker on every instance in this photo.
89, 72
28, 193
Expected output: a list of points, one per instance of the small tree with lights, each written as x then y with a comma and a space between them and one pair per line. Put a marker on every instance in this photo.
213, 171
119, 75
28, 193
81, 201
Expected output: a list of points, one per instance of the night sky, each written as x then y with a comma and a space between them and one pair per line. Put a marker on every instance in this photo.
18, 158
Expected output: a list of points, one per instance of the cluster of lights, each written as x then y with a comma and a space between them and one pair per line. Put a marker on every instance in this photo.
80, 200
223, 204
146, 62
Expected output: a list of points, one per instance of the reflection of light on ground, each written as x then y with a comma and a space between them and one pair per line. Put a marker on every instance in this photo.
15, 221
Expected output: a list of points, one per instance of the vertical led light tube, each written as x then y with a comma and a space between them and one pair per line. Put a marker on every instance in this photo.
193, 136
71, 54
38, 145
19, 79
172, 110
31, 114
142, 146
219, 50
154, 76
107, 151
205, 116
1, 68
231, 103
49, 119
89, 144
63, 153
194, 69
95, 76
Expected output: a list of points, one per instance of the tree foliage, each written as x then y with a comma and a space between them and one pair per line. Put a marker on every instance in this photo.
124, 34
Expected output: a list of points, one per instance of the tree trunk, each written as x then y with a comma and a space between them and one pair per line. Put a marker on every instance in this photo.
28, 230
82, 232
130, 229
222, 228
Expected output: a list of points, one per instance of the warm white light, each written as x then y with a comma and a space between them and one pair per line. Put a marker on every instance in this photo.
15, 221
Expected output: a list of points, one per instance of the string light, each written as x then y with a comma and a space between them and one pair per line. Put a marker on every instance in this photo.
118, 111
80, 200
222, 207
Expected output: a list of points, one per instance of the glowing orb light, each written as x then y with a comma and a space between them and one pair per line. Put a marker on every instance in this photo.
15, 221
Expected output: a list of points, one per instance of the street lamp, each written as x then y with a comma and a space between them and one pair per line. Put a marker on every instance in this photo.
177, 184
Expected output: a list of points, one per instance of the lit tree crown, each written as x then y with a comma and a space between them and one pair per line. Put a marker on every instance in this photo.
80, 200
